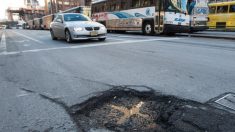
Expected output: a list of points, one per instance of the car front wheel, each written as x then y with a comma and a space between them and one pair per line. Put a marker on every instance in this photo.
68, 36
52, 35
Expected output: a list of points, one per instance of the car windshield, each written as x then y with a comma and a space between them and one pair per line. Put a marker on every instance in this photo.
75, 17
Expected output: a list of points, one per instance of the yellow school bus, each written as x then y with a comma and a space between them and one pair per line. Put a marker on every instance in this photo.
222, 15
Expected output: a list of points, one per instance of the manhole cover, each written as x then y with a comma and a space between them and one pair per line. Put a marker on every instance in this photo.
130, 110
225, 101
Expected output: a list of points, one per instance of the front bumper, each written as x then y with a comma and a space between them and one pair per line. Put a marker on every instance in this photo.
83, 35
176, 28
199, 28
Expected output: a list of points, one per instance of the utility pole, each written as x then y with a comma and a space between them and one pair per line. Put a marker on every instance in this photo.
51, 6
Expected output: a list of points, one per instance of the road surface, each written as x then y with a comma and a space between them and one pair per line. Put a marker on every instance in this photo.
33, 66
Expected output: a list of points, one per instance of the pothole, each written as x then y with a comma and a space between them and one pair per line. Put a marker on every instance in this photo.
129, 110
122, 112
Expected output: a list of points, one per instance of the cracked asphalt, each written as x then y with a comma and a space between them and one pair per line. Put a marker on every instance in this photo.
41, 79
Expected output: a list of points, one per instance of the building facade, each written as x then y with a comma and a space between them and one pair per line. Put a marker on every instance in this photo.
31, 3
54, 6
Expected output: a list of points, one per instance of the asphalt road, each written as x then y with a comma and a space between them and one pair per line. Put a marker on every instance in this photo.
33, 66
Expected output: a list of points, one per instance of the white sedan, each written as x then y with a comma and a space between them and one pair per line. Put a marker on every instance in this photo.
75, 26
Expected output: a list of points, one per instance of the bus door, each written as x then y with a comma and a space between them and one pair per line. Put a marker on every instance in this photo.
159, 16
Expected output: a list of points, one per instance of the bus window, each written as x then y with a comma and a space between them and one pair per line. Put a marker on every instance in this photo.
232, 8
222, 9
212, 9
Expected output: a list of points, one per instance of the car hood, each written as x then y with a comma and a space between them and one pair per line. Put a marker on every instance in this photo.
83, 24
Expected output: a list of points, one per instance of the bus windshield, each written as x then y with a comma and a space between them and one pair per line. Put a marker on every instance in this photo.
176, 5
198, 7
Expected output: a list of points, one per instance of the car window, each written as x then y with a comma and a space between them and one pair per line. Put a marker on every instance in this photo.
59, 18
75, 17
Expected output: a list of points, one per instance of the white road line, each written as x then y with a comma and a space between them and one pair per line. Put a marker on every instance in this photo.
29, 37
110, 38
88, 45
3, 46
128, 36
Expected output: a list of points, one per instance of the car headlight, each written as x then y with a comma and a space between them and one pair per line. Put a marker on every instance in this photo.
103, 28
76, 29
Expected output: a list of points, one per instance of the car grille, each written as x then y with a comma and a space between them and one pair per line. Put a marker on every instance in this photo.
96, 28
92, 28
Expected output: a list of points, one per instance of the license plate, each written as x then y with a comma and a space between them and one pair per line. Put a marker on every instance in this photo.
93, 33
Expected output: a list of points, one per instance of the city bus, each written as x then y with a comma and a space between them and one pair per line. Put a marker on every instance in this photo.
222, 15
37, 23
148, 16
85, 10
46, 21
198, 11
30, 24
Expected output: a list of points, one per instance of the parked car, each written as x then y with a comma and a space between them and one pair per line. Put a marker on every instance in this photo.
76, 26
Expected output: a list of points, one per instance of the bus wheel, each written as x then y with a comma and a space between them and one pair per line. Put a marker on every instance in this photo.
148, 28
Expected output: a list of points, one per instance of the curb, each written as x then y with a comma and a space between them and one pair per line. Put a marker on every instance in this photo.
207, 36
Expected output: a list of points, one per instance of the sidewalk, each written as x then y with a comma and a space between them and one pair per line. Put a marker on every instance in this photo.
211, 34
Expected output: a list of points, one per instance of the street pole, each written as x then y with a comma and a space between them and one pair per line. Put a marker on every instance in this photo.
189, 35
51, 7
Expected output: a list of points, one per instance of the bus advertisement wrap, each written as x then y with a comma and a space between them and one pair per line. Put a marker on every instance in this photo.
176, 19
133, 13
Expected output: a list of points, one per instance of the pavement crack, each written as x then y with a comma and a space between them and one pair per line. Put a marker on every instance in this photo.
56, 101
80, 78
27, 90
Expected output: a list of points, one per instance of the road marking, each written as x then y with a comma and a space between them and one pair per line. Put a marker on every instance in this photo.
3, 46
89, 45
19, 41
29, 37
129, 36
121, 39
